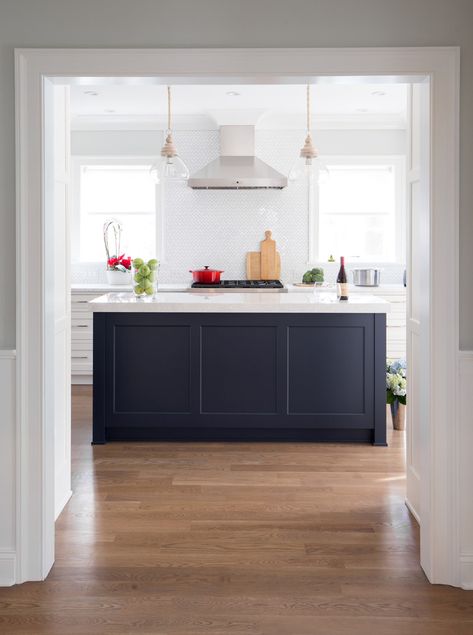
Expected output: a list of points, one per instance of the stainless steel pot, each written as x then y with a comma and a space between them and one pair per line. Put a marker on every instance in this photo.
366, 277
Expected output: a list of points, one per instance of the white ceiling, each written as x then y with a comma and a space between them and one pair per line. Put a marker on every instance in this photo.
151, 100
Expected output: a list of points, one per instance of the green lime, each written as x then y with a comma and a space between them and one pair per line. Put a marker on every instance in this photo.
137, 277
144, 271
138, 289
149, 290
152, 276
146, 284
138, 262
153, 264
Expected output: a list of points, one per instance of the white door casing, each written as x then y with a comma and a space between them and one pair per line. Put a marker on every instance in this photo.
57, 337
438, 506
418, 295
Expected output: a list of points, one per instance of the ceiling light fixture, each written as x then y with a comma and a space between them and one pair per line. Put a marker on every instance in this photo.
169, 165
91, 93
233, 93
306, 165
378, 93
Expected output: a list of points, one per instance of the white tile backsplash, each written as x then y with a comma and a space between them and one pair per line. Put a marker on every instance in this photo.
218, 227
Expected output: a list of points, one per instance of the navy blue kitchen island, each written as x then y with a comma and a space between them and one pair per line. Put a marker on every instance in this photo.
274, 370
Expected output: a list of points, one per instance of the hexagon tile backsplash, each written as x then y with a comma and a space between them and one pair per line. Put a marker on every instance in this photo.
218, 227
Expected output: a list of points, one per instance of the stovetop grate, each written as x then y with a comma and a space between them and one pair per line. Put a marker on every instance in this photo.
240, 284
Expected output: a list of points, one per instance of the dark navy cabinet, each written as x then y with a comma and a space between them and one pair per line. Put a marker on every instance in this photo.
200, 376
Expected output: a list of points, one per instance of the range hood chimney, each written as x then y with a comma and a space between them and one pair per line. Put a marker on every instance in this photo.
237, 166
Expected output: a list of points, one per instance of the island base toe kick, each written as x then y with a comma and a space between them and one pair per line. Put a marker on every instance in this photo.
239, 377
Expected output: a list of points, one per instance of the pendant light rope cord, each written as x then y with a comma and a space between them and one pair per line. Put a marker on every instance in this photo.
308, 108
169, 109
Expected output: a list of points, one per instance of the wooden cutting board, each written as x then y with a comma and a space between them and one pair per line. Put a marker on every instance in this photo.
268, 257
253, 266
254, 263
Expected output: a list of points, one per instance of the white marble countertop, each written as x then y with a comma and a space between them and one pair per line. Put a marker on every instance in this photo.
201, 302
104, 287
87, 287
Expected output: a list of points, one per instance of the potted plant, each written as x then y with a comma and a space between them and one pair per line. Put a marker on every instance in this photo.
396, 392
118, 267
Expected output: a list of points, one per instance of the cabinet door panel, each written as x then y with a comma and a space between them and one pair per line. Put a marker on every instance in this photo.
151, 368
239, 369
327, 369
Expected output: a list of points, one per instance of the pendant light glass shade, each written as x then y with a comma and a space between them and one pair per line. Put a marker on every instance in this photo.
169, 166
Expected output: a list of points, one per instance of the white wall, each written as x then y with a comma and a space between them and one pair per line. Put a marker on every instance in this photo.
218, 227
223, 23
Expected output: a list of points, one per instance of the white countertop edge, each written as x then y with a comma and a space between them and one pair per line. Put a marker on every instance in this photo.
238, 303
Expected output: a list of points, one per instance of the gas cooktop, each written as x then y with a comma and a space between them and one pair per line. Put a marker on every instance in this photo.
243, 285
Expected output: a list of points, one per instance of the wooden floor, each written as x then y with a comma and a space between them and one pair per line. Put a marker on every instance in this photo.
217, 539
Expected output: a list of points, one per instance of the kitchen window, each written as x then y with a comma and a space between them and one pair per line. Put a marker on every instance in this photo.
358, 210
120, 189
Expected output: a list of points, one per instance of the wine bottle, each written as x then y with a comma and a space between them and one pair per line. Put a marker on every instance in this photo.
342, 282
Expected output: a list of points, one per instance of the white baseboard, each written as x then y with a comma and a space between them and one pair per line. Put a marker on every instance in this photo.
7, 568
7, 467
466, 571
465, 467
62, 502
81, 379
412, 510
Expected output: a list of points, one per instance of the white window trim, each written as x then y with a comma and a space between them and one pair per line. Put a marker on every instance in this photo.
399, 163
77, 162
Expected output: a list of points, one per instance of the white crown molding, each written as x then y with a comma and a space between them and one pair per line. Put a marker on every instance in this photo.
269, 121
140, 122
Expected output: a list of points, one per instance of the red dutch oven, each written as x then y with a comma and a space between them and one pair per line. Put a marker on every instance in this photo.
206, 275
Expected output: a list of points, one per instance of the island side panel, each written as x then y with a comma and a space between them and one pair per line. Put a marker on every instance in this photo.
179, 376
99, 379
379, 379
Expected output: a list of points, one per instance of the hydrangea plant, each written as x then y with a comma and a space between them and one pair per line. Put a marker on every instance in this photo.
396, 383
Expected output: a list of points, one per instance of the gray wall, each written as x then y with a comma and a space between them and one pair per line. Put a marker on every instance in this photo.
225, 23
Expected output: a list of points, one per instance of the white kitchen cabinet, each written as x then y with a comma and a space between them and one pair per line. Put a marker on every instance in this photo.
82, 328
81, 336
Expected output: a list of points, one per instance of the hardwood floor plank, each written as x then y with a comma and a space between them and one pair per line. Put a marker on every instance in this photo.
240, 538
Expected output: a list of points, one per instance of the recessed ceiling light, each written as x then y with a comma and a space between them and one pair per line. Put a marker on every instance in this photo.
109, 110
378, 93
361, 110
91, 93
233, 93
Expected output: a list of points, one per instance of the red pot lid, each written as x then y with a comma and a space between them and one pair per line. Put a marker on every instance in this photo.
206, 268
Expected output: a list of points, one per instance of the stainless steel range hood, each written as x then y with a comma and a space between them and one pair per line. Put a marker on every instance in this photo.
237, 166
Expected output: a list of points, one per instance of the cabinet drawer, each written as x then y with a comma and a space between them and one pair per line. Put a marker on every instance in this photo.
82, 322
81, 334
81, 357
396, 319
396, 334
79, 368
81, 345
80, 301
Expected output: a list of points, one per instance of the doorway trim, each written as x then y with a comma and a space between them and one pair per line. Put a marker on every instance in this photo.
439, 503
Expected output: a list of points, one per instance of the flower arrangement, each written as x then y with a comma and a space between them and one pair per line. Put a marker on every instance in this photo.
119, 263
118, 267
396, 383
115, 263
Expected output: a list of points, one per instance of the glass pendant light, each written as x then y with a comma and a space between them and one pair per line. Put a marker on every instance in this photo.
169, 165
306, 164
